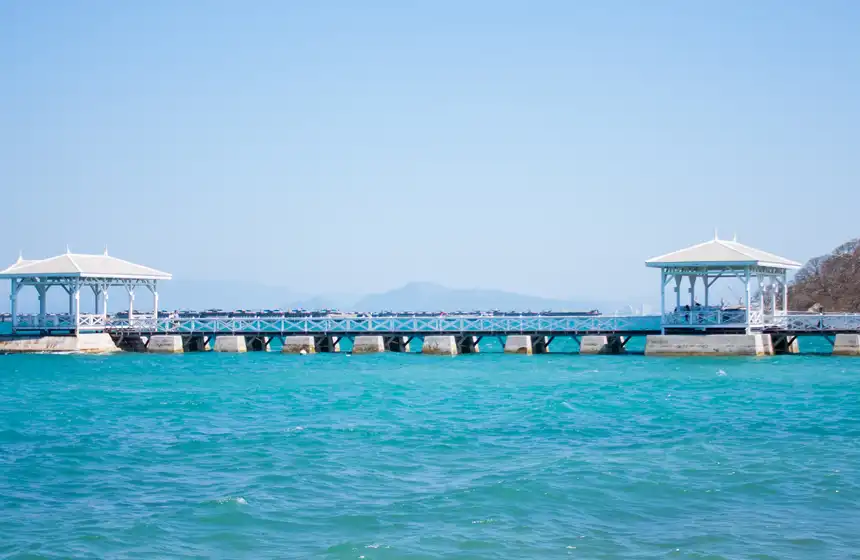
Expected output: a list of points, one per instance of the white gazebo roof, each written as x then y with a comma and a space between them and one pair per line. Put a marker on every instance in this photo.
82, 266
719, 252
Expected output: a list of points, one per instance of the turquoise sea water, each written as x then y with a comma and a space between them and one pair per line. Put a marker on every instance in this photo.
409, 456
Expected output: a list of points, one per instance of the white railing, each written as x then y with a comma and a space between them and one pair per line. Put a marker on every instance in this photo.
398, 324
708, 317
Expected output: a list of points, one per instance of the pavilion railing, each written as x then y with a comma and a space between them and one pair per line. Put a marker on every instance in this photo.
709, 317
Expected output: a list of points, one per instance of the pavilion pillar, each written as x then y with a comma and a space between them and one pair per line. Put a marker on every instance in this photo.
773, 287
662, 299
130, 289
105, 303
96, 293
155, 301
693, 279
678, 278
785, 292
13, 302
43, 303
760, 281
76, 314
747, 296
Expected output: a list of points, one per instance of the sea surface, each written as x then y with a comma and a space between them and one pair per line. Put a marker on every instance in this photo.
264, 455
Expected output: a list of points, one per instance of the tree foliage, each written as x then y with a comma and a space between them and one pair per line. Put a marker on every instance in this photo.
829, 282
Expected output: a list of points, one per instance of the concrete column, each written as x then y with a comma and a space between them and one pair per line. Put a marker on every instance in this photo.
368, 344
846, 345
105, 304
467, 344
299, 344
397, 343
130, 303
784, 344
327, 344
76, 315
154, 302
709, 345
440, 345
194, 343
165, 344
594, 345
256, 343
230, 343
518, 344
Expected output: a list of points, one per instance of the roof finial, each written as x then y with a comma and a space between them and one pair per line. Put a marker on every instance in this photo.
106, 250
735, 237
716, 236
20, 256
68, 252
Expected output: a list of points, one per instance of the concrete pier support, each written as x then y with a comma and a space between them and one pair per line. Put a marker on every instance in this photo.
368, 345
88, 343
846, 345
327, 344
709, 345
784, 344
601, 345
299, 344
195, 343
467, 344
397, 343
540, 344
130, 342
230, 343
165, 344
440, 345
257, 343
518, 344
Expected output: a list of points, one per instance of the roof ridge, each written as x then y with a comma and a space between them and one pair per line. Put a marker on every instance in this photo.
684, 249
725, 243
74, 263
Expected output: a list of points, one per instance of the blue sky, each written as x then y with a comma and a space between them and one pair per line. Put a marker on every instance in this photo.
540, 147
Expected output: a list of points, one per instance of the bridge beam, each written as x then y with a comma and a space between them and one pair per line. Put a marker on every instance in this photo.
299, 344
368, 344
846, 345
440, 345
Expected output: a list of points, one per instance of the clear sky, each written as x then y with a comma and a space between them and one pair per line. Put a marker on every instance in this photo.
338, 146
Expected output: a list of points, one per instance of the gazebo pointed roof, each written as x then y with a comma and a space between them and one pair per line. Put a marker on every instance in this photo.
720, 252
82, 266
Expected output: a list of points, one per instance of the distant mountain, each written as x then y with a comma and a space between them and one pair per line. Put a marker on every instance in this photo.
830, 282
425, 296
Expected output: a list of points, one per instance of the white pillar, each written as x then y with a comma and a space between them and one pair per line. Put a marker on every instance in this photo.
105, 303
773, 286
77, 313
707, 283
154, 301
747, 296
785, 292
130, 302
678, 278
13, 302
96, 292
43, 303
662, 295
760, 282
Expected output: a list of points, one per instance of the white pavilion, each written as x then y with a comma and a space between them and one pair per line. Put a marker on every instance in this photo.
73, 272
761, 273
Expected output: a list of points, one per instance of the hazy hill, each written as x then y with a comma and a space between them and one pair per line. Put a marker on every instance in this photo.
831, 281
425, 296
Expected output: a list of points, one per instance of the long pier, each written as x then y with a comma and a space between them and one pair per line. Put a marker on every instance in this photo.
461, 333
